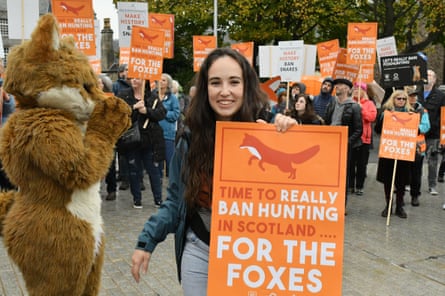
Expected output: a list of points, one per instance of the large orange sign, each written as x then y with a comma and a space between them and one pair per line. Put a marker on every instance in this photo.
442, 125
165, 22
362, 39
146, 53
202, 46
344, 70
399, 133
277, 225
327, 56
76, 19
246, 49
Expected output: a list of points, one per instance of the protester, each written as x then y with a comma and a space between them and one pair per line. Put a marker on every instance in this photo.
322, 100
296, 89
121, 84
282, 106
432, 100
417, 164
228, 89
170, 122
344, 111
304, 111
147, 112
398, 101
360, 154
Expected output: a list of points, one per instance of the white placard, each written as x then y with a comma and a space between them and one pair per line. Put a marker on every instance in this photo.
22, 18
130, 14
291, 60
268, 55
386, 47
310, 57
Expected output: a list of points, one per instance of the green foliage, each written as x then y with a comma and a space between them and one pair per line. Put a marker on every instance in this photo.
415, 24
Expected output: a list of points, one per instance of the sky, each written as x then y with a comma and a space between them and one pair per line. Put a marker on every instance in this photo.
104, 9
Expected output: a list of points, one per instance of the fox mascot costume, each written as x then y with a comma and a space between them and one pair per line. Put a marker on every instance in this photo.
56, 148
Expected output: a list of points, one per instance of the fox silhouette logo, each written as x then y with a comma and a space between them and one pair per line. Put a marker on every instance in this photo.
280, 159
400, 120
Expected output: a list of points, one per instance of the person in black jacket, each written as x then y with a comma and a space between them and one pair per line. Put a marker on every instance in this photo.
432, 100
147, 112
345, 111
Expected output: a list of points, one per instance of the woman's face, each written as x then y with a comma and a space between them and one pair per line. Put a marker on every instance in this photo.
100, 83
400, 100
225, 88
163, 83
136, 82
300, 104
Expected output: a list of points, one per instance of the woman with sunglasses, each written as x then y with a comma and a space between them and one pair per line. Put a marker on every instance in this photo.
398, 101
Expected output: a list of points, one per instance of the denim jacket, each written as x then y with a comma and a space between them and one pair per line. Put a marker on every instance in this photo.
169, 123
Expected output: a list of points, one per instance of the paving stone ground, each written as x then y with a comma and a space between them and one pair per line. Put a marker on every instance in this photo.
405, 258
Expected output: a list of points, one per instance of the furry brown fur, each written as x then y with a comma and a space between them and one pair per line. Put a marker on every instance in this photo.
56, 148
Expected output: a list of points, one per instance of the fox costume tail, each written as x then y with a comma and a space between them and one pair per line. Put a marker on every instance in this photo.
6, 201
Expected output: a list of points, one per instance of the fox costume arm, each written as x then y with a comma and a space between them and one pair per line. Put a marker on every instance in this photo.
6, 201
49, 142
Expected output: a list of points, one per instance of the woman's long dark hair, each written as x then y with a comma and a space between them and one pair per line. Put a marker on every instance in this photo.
201, 120
309, 114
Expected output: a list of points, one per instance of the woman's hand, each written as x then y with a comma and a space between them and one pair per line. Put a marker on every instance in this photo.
284, 122
139, 262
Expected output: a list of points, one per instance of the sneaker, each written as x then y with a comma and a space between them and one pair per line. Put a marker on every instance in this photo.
443, 206
433, 191
440, 179
400, 212
415, 201
137, 205
124, 185
359, 192
158, 204
111, 196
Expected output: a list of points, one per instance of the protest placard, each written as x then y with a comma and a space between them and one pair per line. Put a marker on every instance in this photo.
165, 22
202, 46
146, 53
277, 226
76, 19
402, 70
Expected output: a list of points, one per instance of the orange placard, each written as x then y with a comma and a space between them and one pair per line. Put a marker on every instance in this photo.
399, 133
146, 53
124, 55
165, 22
362, 40
344, 70
202, 46
95, 64
76, 19
277, 227
442, 125
327, 56
270, 86
313, 84
246, 49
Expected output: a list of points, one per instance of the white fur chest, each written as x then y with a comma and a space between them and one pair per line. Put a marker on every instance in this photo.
86, 205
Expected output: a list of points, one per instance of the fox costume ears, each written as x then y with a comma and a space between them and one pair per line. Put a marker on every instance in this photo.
47, 61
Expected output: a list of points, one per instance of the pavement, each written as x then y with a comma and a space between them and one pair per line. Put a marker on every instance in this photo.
405, 258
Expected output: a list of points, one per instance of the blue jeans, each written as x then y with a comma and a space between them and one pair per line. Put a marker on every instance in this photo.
432, 156
194, 266
169, 150
139, 159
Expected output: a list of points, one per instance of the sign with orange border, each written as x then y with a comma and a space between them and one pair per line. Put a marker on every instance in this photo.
277, 226
76, 19
362, 40
124, 55
442, 125
327, 56
95, 64
246, 49
344, 70
399, 135
165, 22
202, 46
146, 53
